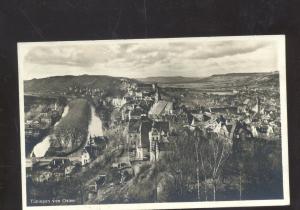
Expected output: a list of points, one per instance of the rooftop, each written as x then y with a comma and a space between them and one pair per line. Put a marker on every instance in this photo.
134, 126
145, 128
159, 107
161, 126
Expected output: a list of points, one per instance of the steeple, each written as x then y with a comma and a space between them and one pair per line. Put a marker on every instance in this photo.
258, 104
157, 95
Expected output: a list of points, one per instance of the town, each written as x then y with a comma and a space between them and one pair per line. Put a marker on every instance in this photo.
152, 143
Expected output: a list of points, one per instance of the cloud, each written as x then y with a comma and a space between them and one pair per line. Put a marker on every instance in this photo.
81, 56
57, 56
227, 48
142, 59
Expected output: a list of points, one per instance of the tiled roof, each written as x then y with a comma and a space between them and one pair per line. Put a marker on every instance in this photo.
159, 107
169, 106
137, 111
161, 126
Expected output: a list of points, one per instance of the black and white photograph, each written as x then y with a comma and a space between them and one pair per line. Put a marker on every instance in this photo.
154, 123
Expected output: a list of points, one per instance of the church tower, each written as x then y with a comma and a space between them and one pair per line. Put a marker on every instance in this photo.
157, 95
258, 104
154, 138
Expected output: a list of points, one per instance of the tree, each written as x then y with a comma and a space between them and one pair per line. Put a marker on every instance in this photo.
181, 162
212, 152
197, 161
219, 150
199, 150
197, 136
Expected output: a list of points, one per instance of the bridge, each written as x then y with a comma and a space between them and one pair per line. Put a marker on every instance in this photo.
47, 160
38, 95
53, 96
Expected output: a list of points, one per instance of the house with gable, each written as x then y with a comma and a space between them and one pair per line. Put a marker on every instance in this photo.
158, 138
142, 147
85, 157
133, 132
136, 113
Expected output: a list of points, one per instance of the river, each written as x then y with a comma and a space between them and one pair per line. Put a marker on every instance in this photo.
94, 129
41, 148
95, 126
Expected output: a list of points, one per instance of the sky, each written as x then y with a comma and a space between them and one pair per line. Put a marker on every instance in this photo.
188, 57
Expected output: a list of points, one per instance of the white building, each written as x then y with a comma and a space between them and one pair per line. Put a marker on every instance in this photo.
85, 158
118, 102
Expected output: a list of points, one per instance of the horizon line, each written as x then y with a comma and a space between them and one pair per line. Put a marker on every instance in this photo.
275, 71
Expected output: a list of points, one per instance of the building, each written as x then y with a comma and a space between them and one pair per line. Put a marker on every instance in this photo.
144, 87
138, 96
59, 163
125, 111
161, 108
69, 170
32, 132
157, 95
95, 145
85, 157
136, 113
100, 181
46, 120
242, 132
42, 176
118, 102
125, 114
142, 147
158, 137
133, 133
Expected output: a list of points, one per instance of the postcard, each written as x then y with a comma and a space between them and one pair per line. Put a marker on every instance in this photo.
154, 123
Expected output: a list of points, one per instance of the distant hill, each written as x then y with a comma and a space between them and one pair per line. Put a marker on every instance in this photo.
113, 85
238, 79
62, 83
168, 80
230, 80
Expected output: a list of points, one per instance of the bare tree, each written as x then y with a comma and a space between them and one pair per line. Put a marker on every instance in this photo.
219, 150
197, 139
200, 152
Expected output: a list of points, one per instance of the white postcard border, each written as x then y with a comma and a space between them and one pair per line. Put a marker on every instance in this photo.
170, 205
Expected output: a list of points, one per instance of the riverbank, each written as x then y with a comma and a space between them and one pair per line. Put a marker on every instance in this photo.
80, 120
40, 149
95, 129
